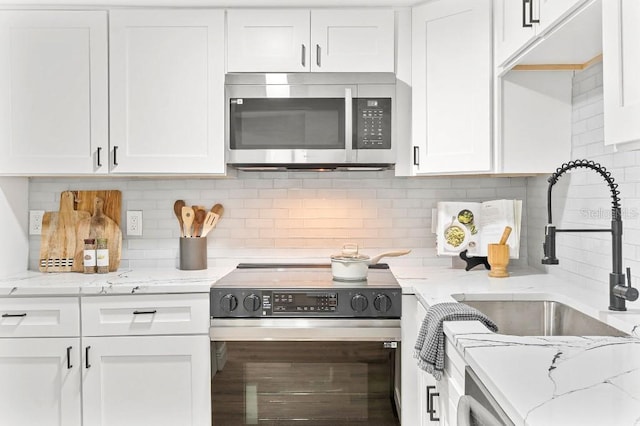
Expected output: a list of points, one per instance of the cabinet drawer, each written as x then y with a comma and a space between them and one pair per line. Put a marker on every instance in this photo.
145, 314
39, 317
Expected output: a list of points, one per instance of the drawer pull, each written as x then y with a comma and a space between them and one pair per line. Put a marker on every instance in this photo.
24, 314
431, 409
86, 357
69, 366
145, 312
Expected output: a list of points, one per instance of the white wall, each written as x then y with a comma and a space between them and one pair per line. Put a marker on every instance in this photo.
284, 215
13, 225
581, 197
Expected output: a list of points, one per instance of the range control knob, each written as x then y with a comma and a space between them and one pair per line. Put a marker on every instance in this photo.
252, 303
382, 303
359, 303
229, 303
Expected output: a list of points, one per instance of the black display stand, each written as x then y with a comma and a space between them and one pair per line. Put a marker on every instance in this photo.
472, 262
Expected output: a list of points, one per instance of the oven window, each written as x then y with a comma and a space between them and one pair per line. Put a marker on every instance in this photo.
287, 123
310, 383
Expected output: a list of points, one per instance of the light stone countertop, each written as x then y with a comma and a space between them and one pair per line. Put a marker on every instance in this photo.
543, 380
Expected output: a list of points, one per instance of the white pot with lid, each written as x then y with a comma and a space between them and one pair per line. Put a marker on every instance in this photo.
353, 266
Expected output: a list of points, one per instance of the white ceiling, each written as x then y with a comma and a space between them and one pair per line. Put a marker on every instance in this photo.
212, 3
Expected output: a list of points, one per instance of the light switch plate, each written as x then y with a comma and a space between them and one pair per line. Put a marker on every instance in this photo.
134, 223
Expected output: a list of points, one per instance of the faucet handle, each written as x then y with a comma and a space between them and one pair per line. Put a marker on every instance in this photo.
626, 292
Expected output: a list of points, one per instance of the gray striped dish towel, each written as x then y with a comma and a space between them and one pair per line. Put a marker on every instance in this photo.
429, 348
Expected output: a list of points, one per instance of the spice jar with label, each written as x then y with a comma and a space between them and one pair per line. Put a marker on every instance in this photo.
102, 256
89, 256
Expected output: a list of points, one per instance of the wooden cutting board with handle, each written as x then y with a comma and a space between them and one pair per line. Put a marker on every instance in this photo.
61, 252
61, 232
102, 226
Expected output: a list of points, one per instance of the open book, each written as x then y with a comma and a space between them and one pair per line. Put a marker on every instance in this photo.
472, 226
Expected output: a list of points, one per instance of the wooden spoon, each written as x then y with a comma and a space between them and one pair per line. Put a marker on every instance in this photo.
198, 220
210, 221
505, 235
177, 209
187, 219
218, 209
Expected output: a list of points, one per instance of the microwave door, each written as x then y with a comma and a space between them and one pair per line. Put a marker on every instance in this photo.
289, 124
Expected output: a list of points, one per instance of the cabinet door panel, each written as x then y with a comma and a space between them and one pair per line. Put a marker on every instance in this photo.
53, 91
261, 40
40, 386
621, 71
352, 40
167, 91
452, 92
158, 381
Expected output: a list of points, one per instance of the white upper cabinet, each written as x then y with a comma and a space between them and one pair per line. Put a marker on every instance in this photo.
518, 23
167, 91
621, 70
451, 79
53, 92
298, 40
268, 40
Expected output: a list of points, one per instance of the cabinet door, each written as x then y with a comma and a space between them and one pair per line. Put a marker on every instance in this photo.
261, 40
160, 380
53, 92
40, 381
513, 27
621, 71
167, 91
352, 40
451, 77
551, 11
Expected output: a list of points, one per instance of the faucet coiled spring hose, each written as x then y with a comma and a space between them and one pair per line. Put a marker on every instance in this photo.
588, 164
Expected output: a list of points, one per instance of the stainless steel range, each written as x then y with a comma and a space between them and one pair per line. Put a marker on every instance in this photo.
301, 347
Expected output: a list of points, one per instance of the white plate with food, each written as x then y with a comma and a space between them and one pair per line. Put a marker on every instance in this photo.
456, 236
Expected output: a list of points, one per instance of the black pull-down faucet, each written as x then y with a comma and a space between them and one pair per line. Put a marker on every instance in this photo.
619, 292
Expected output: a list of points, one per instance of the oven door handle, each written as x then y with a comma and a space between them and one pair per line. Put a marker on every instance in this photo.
305, 329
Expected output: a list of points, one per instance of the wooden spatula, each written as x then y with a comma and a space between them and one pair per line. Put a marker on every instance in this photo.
187, 220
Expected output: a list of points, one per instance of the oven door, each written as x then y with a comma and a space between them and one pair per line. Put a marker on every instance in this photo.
286, 378
289, 124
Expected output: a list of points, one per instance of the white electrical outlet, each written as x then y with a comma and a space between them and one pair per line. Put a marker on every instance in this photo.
134, 223
35, 222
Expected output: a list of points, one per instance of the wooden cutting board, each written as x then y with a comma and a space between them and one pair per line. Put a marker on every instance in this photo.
62, 241
61, 232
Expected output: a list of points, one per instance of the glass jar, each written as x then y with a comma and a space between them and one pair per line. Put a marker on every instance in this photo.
102, 256
89, 256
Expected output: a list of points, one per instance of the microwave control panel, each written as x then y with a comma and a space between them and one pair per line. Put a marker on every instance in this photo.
372, 123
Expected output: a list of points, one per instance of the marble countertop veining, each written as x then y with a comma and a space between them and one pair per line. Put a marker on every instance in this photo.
125, 281
543, 380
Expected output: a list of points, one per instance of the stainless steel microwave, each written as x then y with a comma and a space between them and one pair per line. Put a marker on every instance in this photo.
310, 121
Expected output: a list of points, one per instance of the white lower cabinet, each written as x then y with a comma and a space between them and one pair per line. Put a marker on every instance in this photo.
154, 380
141, 359
40, 381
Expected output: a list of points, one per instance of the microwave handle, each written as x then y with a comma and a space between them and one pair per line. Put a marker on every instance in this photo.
348, 125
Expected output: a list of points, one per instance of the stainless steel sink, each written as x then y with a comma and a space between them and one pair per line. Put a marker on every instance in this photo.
541, 318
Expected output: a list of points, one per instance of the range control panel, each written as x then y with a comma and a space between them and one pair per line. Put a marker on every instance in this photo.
372, 123
295, 303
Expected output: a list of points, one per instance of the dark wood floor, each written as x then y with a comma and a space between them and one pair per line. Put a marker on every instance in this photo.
310, 384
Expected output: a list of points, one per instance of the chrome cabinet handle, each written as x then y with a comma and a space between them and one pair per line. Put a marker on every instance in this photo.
318, 51
416, 155
145, 312
430, 403
303, 59
69, 366
24, 314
